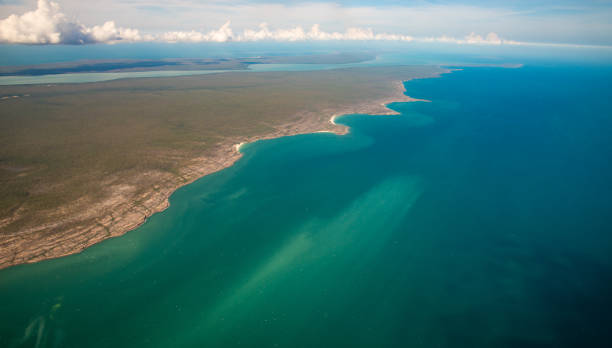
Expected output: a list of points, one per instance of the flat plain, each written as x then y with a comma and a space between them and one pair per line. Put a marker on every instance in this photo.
80, 163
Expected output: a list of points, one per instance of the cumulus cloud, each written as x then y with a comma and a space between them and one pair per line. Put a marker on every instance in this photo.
222, 34
472, 39
39, 26
109, 32
296, 33
263, 33
48, 25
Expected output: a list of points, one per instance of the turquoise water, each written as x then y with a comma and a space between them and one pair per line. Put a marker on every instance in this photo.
411, 52
388, 59
108, 76
387, 54
481, 219
97, 77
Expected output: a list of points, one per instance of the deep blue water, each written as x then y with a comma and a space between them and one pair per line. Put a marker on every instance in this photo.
481, 219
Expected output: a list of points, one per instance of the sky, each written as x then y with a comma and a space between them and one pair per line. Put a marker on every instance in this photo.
493, 22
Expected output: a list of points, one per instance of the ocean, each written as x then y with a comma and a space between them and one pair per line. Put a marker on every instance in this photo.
480, 219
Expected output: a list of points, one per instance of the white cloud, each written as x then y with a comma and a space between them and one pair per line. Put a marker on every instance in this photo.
222, 34
297, 33
108, 32
48, 25
472, 39
525, 22
40, 26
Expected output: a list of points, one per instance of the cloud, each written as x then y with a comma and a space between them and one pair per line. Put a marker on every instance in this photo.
472, 39
297, 33
35, 27
108, 32
567, 21
48, 25
222, 34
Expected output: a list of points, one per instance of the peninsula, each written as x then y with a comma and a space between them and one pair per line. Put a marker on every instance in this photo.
81, 163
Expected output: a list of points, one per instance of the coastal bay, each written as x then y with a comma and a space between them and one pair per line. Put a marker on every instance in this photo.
120, 148
472, 220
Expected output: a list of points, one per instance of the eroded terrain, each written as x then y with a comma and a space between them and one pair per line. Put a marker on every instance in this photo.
80, 163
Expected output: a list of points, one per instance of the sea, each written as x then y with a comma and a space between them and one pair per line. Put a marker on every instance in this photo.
482, 218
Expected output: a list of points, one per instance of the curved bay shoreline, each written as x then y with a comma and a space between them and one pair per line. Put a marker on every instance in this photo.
33, 246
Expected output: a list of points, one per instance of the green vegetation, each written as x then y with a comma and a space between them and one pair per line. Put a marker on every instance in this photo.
62, 146
127, 65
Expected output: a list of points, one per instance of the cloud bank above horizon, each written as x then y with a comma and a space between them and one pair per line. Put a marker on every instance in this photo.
48, 24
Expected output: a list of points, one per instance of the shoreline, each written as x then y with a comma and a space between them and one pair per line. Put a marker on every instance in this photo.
31, 247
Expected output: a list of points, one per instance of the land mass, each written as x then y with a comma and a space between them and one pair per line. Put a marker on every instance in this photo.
83, 163
177, 64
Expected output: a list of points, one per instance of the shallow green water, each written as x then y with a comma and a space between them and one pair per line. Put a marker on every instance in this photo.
98, 77
481, 219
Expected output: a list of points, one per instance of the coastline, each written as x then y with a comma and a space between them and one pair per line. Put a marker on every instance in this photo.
32, 246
